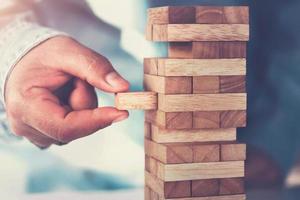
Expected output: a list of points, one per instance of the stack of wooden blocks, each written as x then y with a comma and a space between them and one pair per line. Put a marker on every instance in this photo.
198, 99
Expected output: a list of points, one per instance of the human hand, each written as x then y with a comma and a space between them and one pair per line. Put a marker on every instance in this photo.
39, 105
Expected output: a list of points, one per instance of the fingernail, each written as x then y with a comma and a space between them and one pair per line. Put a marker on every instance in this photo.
120, 118
114, 79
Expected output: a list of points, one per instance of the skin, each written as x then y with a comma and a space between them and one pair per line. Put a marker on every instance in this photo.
40, 108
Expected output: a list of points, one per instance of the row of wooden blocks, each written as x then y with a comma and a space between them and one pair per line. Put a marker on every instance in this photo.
193, 166
198, 23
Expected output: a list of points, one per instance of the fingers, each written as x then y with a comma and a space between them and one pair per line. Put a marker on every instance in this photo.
88, 65
65, 126
83, 96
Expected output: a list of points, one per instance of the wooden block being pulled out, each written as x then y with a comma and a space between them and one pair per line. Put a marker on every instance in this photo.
136, 100
200, 32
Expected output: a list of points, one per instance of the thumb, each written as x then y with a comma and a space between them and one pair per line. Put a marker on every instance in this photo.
92, 67
65, 126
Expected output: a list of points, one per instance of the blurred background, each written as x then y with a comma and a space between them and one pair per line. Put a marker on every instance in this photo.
113, 158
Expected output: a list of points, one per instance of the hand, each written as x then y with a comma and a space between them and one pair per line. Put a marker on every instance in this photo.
43, 109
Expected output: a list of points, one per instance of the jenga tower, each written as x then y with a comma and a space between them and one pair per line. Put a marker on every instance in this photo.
196, 101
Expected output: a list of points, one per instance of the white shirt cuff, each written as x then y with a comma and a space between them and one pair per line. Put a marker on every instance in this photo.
16, 40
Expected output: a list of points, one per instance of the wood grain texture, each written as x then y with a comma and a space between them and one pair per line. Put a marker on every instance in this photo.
205, 188
171, 15
206, 153
198, 14
136, 100
206, 119
201, 67
208, 50
170, 120
160, 135
233, 118
180, 50
199, 171
198, 50
147, 193
150, 66
233, 49
201, 102
150, 165
206, 84
200, 32
231, 186
236, 15
233, 152
171, 154
176, 189
168, 85
209, 15
147, 130
232, 84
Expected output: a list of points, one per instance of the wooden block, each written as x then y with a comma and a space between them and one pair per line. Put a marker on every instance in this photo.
199, 171
209, 15
147, 193
136, 100
150, 165
148, 30
207, 50
202, 102
170, 120
233, 84
172, 15
199, 50
154, 196
200, 32
176, 189
160, 135
201, 67
180, 50
205, 188
236, 118
147, 163
233, 152
206, 153
168, 85
147, 130
230, 186
206, 119
233, 49
206, 84
150, 66
225, 197
236, 15
172, 154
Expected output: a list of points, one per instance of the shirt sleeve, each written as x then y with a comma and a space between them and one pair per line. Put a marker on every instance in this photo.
19, 33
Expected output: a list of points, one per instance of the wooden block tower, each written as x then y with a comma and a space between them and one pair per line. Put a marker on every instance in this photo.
196, 100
